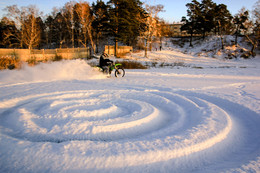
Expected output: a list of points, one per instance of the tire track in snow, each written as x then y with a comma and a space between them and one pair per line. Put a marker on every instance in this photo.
99, 116
170, 124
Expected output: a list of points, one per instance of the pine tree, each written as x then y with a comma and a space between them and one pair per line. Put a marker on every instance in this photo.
245, 26
222, 21
205, 19
125, 23
193, 13
134, 15
100, 22
8, 33
206, 16
239, 21
60, 29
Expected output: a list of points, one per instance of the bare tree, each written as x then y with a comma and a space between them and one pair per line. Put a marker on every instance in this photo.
151, 23
83, 12
68, 15
17, 16
32, 33
25, 19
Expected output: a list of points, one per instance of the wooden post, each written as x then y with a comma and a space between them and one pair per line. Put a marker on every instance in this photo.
43, 53
67, 53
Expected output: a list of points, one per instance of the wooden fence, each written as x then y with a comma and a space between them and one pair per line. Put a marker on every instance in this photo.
121, 50
46, 54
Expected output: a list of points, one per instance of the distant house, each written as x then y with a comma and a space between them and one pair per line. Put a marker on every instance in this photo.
173, 30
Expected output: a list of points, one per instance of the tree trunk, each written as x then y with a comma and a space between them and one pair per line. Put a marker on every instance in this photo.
222, 42
221, 36
145, 55
72, 36
116, 33
97, 43
254, 45
236, 39
116, 47
253, 49
91, 40
191, 35
203, 34
150, 45
236, 36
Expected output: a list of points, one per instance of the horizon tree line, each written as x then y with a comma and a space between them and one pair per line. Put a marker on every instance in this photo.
79, 24
76, 24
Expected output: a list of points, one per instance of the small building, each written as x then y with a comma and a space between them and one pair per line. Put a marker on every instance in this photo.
174, 30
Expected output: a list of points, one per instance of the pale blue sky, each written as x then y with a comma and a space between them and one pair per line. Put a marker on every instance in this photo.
174, 9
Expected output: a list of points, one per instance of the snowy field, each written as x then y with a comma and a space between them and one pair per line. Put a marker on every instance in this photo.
200, 116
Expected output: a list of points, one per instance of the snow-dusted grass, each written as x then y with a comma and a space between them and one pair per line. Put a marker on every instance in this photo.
199, 115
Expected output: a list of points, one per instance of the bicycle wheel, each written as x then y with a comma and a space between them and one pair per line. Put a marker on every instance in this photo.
120, 72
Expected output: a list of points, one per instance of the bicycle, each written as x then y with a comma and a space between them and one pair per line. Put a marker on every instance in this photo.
119, 70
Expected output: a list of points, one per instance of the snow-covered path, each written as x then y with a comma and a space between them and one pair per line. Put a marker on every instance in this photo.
156, 120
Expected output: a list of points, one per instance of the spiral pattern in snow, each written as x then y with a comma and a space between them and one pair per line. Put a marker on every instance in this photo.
183, 122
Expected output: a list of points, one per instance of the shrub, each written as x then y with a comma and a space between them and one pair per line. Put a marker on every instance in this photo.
57, 58
32, 61
9, 62
132, 65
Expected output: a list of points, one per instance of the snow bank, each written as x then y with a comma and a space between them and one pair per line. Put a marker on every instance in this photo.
211, 47
62, 70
